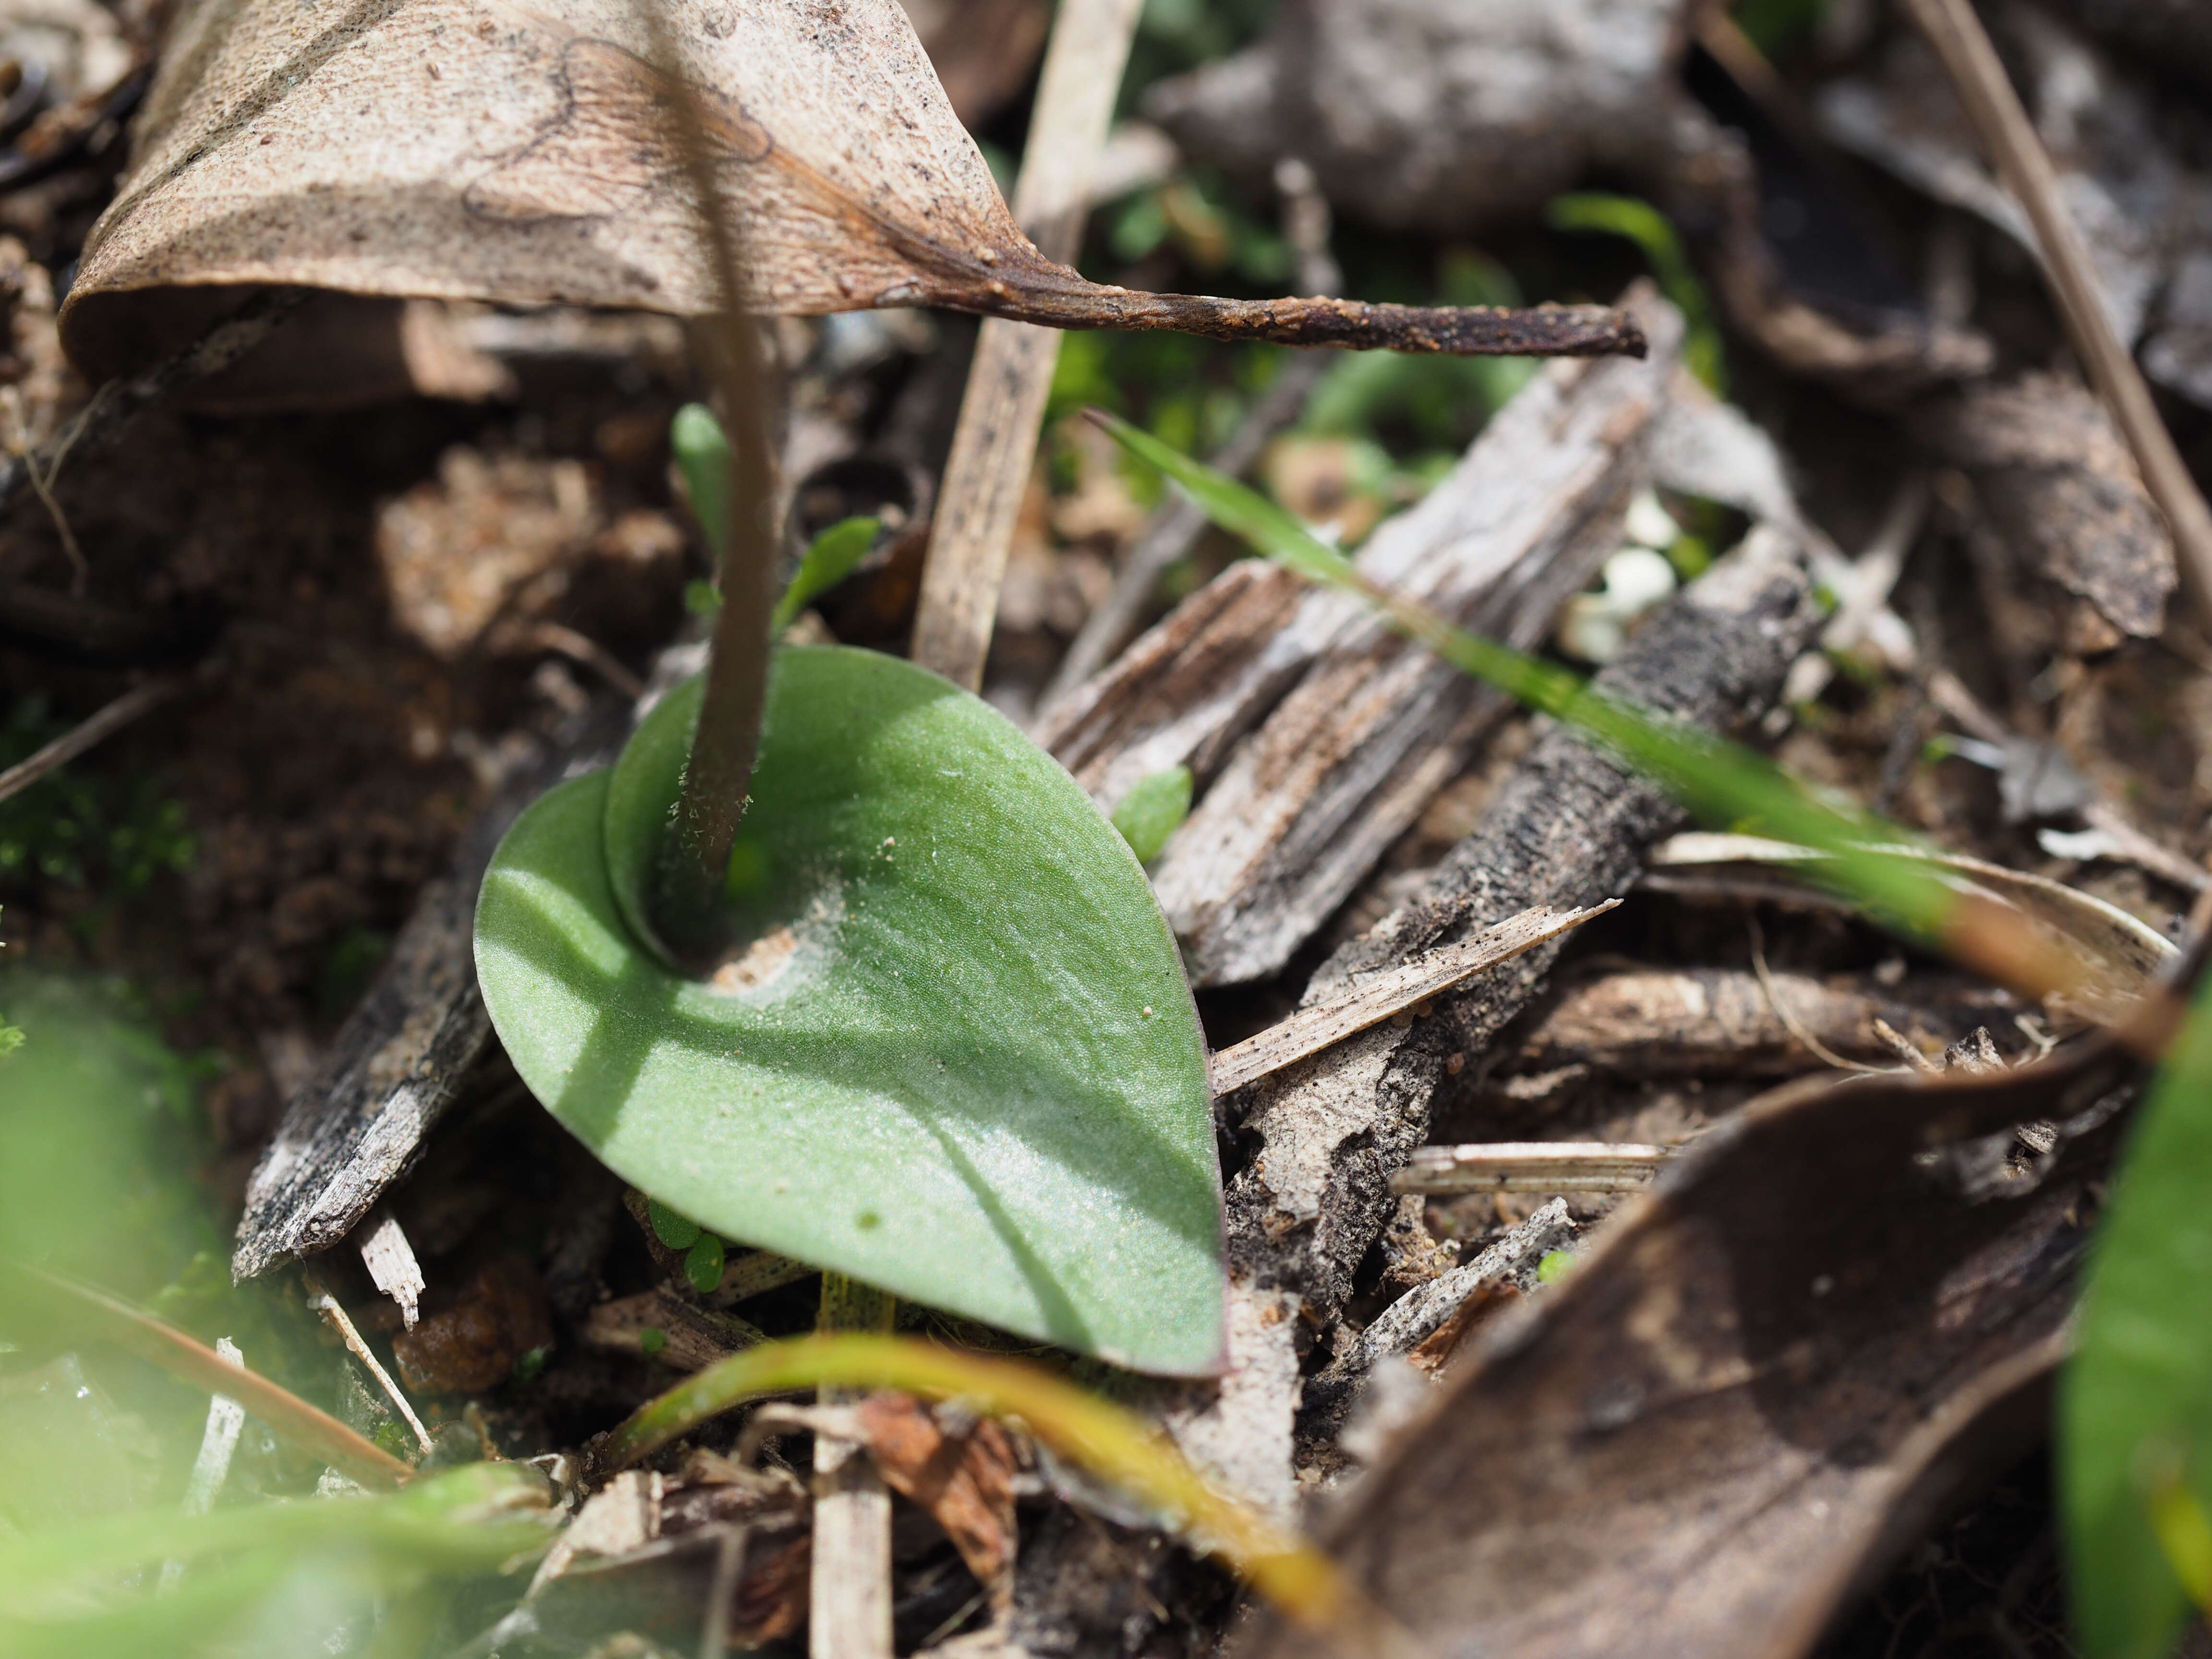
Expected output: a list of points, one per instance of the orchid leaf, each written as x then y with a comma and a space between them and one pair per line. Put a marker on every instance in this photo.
958, 1060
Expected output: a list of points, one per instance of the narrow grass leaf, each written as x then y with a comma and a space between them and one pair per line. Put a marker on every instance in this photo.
291, 1418
1719, 781
1101, 1437
2135, 1404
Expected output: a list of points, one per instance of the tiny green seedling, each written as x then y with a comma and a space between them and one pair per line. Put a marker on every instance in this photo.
948, 1050
1152, 809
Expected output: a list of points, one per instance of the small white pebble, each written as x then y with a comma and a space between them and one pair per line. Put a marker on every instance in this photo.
1637, 579
1649, 523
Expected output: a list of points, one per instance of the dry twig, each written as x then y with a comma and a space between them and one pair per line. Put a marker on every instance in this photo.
67, 747
996, 441
1374, 998
1972, 63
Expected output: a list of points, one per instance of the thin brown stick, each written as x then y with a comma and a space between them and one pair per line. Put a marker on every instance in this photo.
67, 747
1791, 1023
996, 442
694, 858
1979, 77
322, 1302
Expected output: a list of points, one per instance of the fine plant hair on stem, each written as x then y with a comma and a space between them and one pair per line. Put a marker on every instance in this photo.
694, 858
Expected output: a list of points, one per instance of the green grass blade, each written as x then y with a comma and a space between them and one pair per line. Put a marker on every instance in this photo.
2135, 1404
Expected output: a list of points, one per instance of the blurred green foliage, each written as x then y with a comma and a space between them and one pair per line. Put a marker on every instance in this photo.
77, 827
1645, 226
1154, 808
1174, 35
99, 1135
1776, 27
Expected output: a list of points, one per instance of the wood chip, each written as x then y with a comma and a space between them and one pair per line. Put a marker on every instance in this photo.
1377, 997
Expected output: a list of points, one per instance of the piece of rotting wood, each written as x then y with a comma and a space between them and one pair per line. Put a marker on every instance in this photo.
995, 442
1568, 827
1316, 733
402, 1055
1374, 998
392, 1267
1531, 1166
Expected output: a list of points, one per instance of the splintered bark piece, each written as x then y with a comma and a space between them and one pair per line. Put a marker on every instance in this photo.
1316, 733
490, 149
400, 1059
2050, 468
1568, 828
987, 472
1531, 1166
1374, 998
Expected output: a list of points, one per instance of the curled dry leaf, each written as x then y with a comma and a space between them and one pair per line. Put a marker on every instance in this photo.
2117, 957
484, 149
1756, 1387
962, 1473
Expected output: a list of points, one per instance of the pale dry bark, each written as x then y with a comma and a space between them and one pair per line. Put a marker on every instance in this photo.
1316, 733
401, 1057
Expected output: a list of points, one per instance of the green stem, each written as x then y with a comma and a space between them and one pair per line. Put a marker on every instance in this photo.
849, 1306
694, 858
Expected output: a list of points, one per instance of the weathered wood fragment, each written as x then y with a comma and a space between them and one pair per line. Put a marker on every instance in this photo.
1315, 732
1531, 1166
1683, 1022
1568, 828
399, 1060
2050, 468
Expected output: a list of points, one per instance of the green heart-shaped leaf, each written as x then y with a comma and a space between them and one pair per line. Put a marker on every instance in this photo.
960, 1060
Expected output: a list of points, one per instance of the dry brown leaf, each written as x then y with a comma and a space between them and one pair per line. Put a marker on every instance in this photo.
1755, 1386
484, 149
965, 1480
